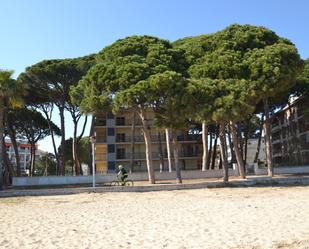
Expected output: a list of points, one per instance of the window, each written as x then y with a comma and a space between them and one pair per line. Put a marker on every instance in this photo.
121, 153
111, 148
121, 137
100, 121
120, 121
110, 132
110, 115
111, 165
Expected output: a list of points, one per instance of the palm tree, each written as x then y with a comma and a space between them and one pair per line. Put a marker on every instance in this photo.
10, 92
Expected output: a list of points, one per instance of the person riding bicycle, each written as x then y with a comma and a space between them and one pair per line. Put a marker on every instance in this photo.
122, 174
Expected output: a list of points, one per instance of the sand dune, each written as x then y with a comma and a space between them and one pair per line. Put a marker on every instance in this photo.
206, 218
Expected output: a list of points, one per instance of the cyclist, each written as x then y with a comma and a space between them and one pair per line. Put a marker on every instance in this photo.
122, 174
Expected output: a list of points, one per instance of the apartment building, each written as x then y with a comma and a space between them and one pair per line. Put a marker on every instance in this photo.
24, 154
290, 134
118, 136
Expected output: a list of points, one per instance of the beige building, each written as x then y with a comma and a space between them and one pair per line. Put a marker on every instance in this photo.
116, 138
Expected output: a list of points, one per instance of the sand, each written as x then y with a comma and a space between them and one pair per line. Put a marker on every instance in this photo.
205, 218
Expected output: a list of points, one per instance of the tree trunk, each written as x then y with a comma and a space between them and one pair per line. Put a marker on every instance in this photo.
78, 138
32, 165
48, 118
161, 153
7, 166
214, 153
74, 151
91, 133
240, 162
209, 153
147, 138
240, 139
1, 147
7, 163
220, 161
168, 148
133, 141
246, 141
268, 139
259, 141
62, 153
16, 152
12, 135
232, 145
246, 151
223, 152
205, 145
176, 157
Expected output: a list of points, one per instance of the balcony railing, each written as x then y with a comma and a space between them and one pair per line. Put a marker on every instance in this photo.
156, 138
127, 123
100, 122
155, 155
101, 139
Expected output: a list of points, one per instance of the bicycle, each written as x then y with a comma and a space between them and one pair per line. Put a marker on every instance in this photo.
119, 182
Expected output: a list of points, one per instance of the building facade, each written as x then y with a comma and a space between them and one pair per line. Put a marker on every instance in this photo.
24, 149
24, 153
290, 134
118, 136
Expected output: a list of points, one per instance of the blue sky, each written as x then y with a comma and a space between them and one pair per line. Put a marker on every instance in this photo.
33, 30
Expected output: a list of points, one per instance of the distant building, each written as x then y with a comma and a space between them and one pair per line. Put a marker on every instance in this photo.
114, 144
290, 134
24, 149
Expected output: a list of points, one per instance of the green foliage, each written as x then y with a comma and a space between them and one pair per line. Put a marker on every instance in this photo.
50, 80
124, 73
92, 91
273, 68
219, 100
245, 63
46, 165
82, 150
302, 82
31, 124
11, 89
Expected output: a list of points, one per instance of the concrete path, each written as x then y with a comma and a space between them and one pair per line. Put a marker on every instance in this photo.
143, 186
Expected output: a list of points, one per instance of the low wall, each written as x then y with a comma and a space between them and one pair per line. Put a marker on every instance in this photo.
249, 182
138, 176
283, 170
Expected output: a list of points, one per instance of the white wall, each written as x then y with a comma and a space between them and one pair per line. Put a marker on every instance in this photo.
67, 180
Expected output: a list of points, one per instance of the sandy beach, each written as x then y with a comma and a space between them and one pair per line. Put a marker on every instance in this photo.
206, 218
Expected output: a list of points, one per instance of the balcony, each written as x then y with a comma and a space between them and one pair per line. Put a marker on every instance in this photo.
187, 137
139, 139
100, 139
156, 138
127, 123
99, 122
155, 155
100, 157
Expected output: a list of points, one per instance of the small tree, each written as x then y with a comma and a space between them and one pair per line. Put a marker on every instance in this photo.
46, 165
33, 126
